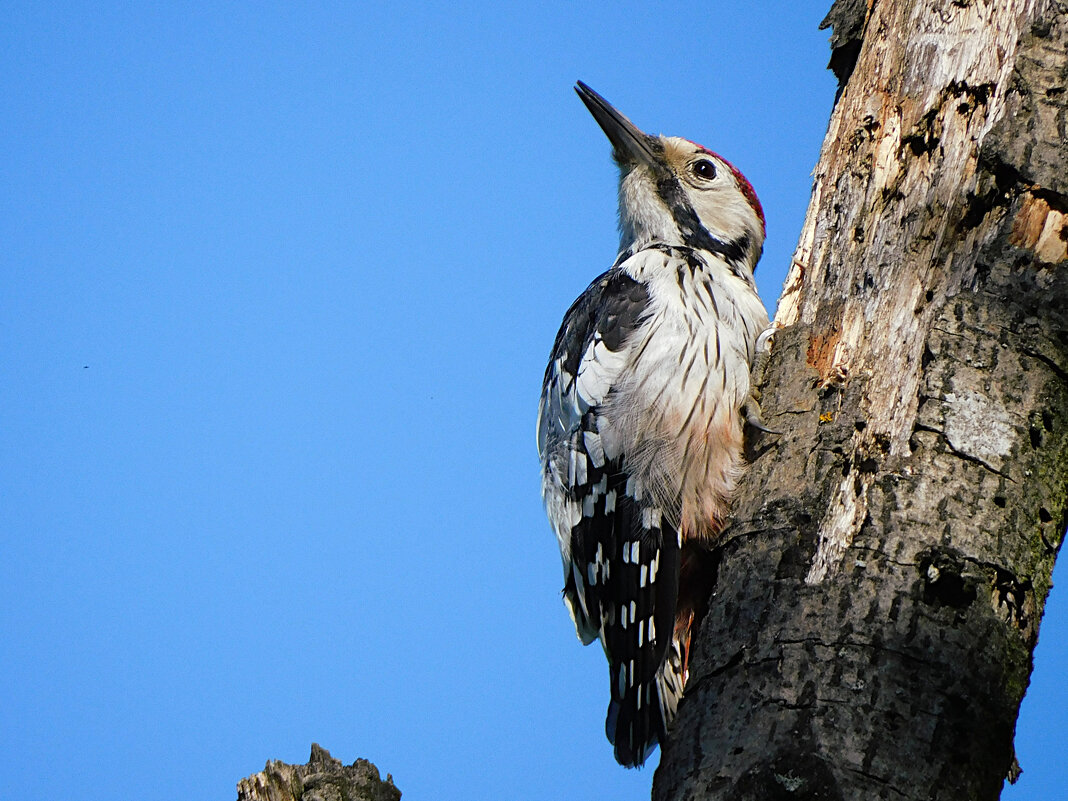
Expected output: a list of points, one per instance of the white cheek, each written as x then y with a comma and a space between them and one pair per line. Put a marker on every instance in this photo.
725, 213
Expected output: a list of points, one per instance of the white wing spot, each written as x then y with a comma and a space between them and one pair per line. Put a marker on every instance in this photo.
597, 371
651, 517
610, 440
592, 441
634, 488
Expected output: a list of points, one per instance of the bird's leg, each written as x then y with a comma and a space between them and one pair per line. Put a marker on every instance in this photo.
751, 407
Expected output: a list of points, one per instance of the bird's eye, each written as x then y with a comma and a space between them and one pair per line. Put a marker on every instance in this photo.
704, 169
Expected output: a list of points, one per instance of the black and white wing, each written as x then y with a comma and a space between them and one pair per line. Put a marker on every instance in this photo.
620, 554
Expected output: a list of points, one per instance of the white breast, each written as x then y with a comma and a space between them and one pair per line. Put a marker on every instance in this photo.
676, 413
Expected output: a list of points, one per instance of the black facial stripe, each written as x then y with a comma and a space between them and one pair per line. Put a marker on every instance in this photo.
693, 233
734, 251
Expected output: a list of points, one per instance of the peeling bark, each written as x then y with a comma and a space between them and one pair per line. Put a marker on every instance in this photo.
879, 593
846, 20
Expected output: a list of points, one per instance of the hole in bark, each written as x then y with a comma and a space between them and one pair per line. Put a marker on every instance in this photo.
1041, 28
1036, 437
796, 774
1047, 421
868, 465
999, 500
860, 425
950, 589
943, 581
977, 208
929, 294
1044, 515
926, 137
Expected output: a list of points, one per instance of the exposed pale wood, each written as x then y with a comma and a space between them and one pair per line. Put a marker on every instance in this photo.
878, 596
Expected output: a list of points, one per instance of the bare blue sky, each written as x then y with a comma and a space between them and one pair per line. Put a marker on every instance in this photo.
278, 282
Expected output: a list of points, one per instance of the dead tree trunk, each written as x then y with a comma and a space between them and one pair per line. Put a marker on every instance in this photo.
322, 779
878, 596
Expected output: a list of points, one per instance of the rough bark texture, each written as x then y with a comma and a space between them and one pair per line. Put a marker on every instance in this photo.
322, 779
878, 597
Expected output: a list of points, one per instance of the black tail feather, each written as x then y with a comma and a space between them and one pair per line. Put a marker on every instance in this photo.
638, 622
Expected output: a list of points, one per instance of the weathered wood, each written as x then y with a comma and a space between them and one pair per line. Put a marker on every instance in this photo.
878, 596
322, 779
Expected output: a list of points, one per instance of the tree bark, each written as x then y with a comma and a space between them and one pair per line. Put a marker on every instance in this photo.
878, 595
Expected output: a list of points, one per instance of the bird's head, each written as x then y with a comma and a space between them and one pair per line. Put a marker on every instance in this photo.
674, 191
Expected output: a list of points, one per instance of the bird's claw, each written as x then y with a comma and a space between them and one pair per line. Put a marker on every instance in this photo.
751, 410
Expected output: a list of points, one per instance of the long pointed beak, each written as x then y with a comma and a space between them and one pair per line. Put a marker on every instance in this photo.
629, 143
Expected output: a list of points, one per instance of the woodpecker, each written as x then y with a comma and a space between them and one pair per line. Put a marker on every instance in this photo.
641, 416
